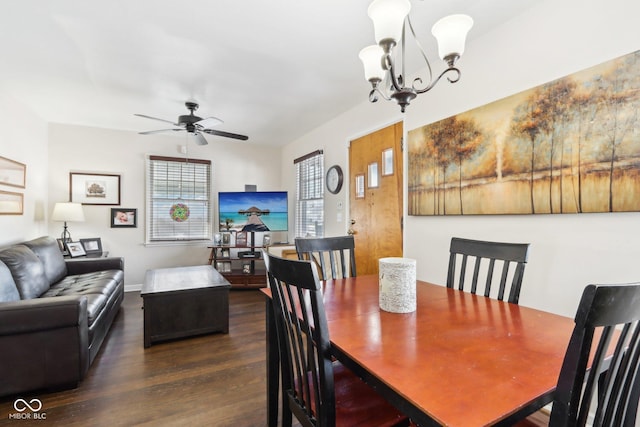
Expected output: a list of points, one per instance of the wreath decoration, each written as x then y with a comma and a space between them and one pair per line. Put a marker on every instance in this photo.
179, 212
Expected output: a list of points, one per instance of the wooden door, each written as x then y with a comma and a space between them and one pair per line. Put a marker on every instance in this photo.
375, 196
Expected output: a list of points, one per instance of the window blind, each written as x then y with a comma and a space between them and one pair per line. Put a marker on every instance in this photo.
178, 199
310, 195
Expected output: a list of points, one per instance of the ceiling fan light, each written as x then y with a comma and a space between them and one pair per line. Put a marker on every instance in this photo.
388, 19
371, 57
451, 33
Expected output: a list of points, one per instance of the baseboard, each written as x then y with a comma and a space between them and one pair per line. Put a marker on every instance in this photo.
133, 288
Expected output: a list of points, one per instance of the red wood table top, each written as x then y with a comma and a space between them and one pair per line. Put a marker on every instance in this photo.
460, 359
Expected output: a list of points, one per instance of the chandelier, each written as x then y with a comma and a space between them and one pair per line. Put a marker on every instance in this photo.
391, 22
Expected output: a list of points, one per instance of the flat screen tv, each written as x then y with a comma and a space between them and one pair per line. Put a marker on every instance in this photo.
253, 211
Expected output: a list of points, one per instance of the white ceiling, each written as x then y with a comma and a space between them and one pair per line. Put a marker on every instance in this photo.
273, 70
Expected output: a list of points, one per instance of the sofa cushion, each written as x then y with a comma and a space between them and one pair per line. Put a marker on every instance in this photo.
46, 248
8, 289
27, 271
96, 286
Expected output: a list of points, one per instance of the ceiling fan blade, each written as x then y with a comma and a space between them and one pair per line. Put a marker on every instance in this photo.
209, 122
150, 132
225, 134
155, 118
200, 140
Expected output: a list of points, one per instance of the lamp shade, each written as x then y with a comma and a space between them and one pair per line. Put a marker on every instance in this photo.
451, 33
66, 211
371, 57
388, 18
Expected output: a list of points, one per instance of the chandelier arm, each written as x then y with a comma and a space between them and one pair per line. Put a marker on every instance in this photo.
395, 82
373, 95
433, 83
420, 48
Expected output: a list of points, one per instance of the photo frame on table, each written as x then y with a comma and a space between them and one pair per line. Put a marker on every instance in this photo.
75, 249
226, 238
62, 247
11, 203
94, 189
124, 217
92, 246
241, 238
13, 173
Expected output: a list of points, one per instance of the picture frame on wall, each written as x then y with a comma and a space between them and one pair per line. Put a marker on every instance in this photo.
94, 189
13, 173
75, 249
124, 217
11, 203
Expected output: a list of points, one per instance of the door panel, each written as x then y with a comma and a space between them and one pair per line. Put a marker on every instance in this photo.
376, 211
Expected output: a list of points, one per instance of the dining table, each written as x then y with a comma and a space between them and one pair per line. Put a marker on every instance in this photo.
459, 359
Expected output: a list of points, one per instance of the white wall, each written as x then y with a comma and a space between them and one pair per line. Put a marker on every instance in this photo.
551, 40
23, 138
94, 150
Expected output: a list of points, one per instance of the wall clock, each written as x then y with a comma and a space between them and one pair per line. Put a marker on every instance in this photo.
334, 179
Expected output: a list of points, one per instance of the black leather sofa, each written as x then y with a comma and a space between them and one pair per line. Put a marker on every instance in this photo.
54, 314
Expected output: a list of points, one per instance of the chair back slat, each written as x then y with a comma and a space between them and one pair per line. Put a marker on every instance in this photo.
334, 256
303, 340
484, 255
608, 317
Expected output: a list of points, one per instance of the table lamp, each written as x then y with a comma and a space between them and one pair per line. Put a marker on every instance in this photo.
66, 211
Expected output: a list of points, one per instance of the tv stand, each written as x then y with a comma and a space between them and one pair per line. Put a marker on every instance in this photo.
242, 265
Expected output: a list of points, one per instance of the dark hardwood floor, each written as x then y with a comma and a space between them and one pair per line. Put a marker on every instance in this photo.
213, 380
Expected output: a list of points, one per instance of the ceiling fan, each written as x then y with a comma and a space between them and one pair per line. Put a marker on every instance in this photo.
194, 125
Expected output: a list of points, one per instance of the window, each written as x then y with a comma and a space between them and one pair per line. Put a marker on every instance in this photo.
178, 199
310, 195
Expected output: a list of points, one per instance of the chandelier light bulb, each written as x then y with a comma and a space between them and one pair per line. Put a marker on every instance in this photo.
451, 33
388, 20
371, 57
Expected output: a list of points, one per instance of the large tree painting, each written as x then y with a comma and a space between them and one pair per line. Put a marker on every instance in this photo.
568, 146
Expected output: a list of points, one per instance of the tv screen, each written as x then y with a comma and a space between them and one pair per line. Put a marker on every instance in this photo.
253, 211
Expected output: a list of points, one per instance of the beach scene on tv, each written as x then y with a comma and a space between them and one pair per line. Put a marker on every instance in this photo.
253, 211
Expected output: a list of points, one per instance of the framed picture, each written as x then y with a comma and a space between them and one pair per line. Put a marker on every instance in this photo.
124, 217
11, 203
62, 247
92, 246
12, 173
387, 162
246, 268
226, 238
241, 238
266, 240
75, 249
224, 253
94, 189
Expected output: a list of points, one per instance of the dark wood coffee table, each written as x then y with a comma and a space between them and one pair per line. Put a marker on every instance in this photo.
184, 301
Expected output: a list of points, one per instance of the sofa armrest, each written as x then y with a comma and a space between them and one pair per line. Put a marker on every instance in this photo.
44, 344
42, 314
90, 265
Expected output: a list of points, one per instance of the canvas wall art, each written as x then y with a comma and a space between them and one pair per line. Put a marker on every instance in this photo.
569, 146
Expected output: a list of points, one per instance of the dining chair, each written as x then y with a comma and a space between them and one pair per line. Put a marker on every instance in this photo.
478, 250
319, 391
608, 318
336, 253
